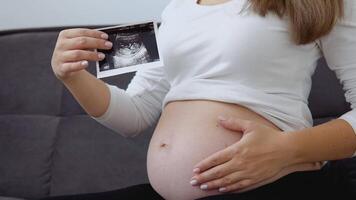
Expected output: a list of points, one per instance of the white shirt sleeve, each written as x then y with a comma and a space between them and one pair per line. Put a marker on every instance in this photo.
132, 111
339, 49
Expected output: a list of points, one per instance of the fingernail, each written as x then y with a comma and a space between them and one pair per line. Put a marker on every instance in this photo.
108, 44
84, 63
105, 36
101, 55
193, 182
223, 189
204, 187
221, 118
196, 170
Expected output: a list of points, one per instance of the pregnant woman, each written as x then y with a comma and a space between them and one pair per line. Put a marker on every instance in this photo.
231, 99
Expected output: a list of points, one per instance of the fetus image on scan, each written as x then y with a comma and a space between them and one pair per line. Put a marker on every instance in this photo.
128, 50
132, 46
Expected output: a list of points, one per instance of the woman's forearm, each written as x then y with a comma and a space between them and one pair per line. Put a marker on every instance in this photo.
71, 56
91, 93
329, 141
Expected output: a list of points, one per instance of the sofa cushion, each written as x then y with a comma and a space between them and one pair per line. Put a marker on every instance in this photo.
10, 198
89, 158
326, 98
26, 147
322, 120
28, 85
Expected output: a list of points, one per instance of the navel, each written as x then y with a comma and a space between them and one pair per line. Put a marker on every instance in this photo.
163, 145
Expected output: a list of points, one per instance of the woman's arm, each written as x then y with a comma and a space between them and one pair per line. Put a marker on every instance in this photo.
131, 111
263, 153
69, 60
335, 139
329, 141
125, 112
82, 86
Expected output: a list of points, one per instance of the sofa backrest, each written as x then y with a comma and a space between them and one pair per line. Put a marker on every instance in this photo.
326, 99
48, 145
28, 83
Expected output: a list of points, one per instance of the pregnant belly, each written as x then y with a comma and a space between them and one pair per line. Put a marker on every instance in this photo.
186, 133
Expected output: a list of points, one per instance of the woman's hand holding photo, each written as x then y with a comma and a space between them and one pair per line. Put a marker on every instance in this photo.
74, 49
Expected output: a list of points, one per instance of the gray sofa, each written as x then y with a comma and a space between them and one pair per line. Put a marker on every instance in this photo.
49, 146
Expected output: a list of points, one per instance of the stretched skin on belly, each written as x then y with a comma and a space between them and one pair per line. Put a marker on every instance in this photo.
188, 132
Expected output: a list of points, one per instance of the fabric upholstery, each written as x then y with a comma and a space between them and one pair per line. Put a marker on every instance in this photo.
26, 148
27, 82
48, 145
89, 157
326, 98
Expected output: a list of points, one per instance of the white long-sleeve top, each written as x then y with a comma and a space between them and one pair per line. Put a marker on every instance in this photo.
219, 53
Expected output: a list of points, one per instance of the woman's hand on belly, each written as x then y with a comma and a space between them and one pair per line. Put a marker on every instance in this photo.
260, 157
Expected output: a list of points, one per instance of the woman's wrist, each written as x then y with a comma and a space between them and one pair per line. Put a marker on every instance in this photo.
332, 140
293, 149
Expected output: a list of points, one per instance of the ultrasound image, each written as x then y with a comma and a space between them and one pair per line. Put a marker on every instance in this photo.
132, 45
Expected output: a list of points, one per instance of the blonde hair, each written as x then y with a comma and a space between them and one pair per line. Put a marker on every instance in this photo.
309, 19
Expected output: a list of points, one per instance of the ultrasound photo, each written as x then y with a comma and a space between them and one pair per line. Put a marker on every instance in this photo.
134, 47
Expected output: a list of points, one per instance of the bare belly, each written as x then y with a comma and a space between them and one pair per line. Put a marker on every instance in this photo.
188, 132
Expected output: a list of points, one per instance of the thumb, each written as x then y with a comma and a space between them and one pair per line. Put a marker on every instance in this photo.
234, 124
